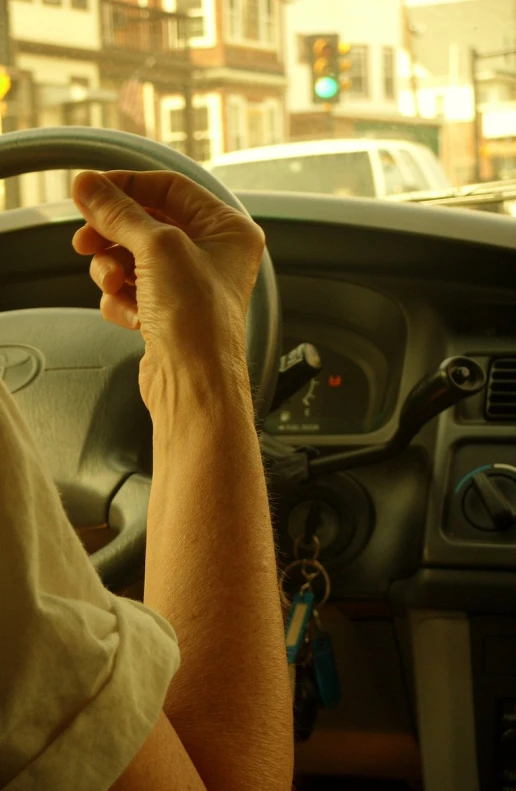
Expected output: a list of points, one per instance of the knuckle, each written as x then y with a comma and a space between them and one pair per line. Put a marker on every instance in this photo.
161, 239
117, 213
259, 236
255, 238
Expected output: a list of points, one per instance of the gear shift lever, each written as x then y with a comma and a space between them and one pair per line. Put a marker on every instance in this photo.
456, 378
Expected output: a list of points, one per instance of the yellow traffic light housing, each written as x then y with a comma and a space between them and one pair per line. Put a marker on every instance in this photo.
345, 64
325, 68
5, 83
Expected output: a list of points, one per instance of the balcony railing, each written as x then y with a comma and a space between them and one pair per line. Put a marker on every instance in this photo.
146, 30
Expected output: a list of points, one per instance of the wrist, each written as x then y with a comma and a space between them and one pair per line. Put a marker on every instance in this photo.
201, 392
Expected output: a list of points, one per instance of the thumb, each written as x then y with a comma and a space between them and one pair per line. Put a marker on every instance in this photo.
112, 213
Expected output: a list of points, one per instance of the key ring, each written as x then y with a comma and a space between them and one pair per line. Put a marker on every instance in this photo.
309, 578
316, 544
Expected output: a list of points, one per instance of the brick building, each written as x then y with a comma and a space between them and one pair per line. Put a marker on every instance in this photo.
239, 80
139, 65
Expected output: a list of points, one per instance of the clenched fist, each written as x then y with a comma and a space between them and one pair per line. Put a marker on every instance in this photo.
172, 260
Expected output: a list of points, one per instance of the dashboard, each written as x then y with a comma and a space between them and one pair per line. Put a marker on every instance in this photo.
360, 335
420, 547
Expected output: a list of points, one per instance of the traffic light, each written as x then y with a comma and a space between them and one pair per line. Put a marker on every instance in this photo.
344, 66
325, 67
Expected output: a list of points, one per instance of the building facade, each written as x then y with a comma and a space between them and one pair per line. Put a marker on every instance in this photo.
239, 78
374, 31
444, 34
203, 76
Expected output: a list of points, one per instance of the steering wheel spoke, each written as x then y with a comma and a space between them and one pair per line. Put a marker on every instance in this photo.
127, 514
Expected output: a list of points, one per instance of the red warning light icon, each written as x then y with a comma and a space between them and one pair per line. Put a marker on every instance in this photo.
335, 380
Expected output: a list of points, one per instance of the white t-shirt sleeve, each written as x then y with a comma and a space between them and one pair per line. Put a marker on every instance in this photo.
83, 672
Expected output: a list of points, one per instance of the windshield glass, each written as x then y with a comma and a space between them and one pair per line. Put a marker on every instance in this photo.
369, 98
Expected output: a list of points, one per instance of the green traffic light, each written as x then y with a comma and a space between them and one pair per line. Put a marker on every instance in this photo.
326, 87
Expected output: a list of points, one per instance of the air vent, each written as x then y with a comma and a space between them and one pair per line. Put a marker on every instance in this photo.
501, 392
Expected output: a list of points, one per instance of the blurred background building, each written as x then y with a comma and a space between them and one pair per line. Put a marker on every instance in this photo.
210, 76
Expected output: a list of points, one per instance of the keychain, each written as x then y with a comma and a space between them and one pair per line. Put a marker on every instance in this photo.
324, 664
298, 619
321, 650
316, 665
298, 643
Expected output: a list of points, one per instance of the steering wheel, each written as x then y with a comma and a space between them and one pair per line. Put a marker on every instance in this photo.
75, 376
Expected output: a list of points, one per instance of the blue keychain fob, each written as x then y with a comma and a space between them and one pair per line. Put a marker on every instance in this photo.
297, 621
325, 669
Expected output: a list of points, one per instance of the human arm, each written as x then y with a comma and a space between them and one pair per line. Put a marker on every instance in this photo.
210, 565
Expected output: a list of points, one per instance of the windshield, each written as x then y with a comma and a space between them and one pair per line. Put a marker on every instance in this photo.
372, 98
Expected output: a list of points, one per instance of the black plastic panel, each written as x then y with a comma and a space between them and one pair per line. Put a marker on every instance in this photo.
470, 591
493, 654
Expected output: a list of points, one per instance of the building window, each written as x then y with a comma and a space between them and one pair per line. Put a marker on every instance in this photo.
359, 71
195, 10
252, 124
252, 22
176, 136
77, 112
273, 122
251, 11
201, 28
81, 5
233, 19
255, 124
196, 27
388, 72
236, 123
206, 123
269, 21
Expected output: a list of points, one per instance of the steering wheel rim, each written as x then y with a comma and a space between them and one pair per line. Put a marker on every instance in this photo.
32, 150
102, 149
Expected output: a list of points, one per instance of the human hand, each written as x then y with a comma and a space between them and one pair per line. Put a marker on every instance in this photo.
170, 259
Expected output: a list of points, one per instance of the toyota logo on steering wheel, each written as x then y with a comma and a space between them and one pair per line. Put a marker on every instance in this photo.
19, 366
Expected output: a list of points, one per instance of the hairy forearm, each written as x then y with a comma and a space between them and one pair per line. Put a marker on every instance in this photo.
211, 571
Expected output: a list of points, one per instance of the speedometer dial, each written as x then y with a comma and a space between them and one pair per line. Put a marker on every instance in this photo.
336, 401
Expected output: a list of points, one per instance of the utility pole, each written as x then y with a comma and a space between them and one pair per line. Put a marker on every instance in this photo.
189, 119
477, 120
6, 47
409, 44
8, 122
329, 120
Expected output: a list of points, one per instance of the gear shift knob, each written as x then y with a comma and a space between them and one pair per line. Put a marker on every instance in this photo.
456, 378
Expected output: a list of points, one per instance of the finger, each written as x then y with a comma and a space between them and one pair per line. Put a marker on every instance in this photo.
121, 308
112, 213
191, 206
111, 269
87, 241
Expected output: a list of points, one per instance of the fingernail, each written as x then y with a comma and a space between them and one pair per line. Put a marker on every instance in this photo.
132, 318
87, 185
104, 272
